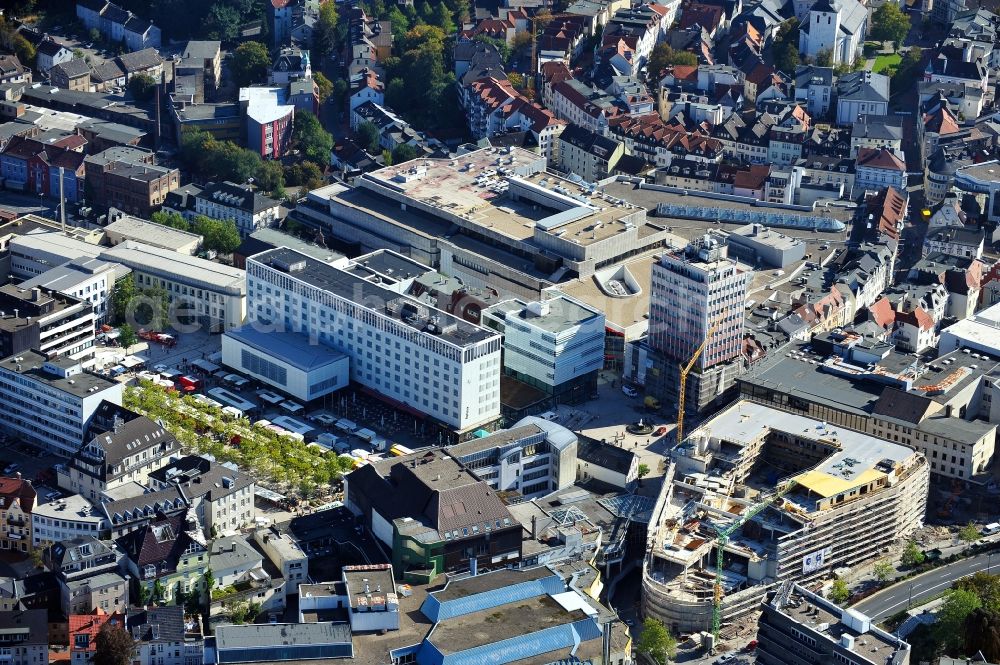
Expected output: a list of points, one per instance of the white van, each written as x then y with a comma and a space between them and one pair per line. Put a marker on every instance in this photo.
630, 391
991, 529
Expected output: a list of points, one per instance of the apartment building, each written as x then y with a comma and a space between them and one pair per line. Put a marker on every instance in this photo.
844, 498
400, 347
933, 408
533, 458
220, 494
88, 574
50, 401
126, 178
587, 154
268, 118
89, 280
556, 345
166, 636
166, 555
45, 320
226, 200
65, 518
210, 292
27, 634
122, 447
17, 501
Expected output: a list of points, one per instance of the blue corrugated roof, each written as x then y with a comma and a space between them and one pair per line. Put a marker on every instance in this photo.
523, 646
295, 349
436, 610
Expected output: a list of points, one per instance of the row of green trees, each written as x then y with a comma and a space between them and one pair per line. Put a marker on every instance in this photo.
220, 235
205, 429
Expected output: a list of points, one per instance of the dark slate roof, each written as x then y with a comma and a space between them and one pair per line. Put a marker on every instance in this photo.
126, 436
115, 14
157, 624
93, 5
900, 405
146, 506
588, 141
138, 61
108, 70
50, 47
158, 543
36, 621
604, 455
232, 195
73, 68
76, 550
432, 488
198, 477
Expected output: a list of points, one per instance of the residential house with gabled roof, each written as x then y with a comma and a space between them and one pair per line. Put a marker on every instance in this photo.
221, 495
71, 75
227, 200
26, 634
83, 631
121, 447
167, 555
17, 500
141, 34
859, 94
878, 168
12, 71
814, 85
146, 61
118, 25
872, 131
88, 574
50, 53
493, 107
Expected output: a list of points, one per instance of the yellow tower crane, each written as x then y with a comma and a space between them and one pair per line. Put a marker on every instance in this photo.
684, 375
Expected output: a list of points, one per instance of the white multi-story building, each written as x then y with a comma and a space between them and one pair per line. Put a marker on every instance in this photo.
407, 351
49, 322
285, 553
50, 402
535, 457
220, 494
33, 254
213, 293
556, 345
86, 279
64, 519
692, 292
226, 200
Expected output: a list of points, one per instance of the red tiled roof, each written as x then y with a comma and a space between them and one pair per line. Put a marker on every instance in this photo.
17, 489
90, 625
753, 177
889, 207
918, 317
707, 16
882, 313
880, 158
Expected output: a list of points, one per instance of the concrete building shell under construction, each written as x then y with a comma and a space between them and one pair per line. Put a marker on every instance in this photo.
835, 497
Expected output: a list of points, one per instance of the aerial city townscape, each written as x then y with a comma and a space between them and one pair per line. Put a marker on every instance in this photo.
488, 332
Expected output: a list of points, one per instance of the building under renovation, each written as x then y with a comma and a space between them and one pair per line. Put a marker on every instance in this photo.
789, 497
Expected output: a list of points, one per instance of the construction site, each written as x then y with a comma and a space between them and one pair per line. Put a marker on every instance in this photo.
758, 496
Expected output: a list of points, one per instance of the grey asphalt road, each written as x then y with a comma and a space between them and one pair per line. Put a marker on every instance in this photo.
896, 598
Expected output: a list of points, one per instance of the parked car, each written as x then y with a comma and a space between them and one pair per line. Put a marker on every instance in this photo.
629, 391
660, 431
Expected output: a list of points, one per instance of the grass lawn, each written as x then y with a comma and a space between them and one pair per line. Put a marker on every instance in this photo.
884, 61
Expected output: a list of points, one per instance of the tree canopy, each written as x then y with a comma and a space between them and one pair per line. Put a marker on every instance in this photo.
403, 153
324, 87
368, 136
890, 24
957, 607
310, 137
325, 32
656, 641
218, 160
251, 62
142, 87
114, 646
220, 235
664, 55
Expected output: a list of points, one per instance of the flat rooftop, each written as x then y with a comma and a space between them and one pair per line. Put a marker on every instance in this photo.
766, 236
691, 228
292, 348
78, 385
152, 233
252, 635
559, 314
178, 267
859, 458
487, 187
349, 286
387, 265
69, 275
367, 585
983, 328
820, 615
609, 290
502, 622
73, 507
54, 242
